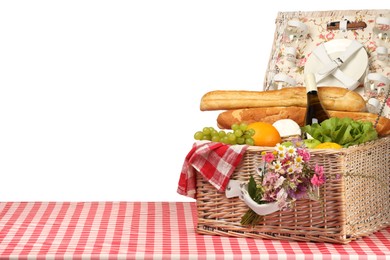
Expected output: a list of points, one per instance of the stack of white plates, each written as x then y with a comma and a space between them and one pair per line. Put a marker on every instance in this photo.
355, 67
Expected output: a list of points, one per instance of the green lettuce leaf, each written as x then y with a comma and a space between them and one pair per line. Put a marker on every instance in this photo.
344, 131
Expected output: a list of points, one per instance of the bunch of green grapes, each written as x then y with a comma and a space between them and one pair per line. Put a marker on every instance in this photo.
240, 134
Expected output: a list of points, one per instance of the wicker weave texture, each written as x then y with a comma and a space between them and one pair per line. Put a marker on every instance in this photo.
354, 202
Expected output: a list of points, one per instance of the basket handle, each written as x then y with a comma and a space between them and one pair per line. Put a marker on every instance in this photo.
239, 189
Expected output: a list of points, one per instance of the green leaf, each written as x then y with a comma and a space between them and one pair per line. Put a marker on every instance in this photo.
252, 188
344, 131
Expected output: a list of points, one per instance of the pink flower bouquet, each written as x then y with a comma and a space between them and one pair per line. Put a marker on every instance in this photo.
285, 176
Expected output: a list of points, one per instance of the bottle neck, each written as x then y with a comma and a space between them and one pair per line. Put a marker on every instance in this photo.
312, 92
311, 84
311, 88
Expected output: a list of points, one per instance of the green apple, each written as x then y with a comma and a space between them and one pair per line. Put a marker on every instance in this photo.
311, 143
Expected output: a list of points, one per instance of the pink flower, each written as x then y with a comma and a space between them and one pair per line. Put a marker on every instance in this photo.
388, 102
269, 196
330, 36
279, 182
315, 180
371, 46
355, 34
269, 157
287, 177
286, 161
318, 178
383, 27
281, 197
270, 178
301, 62
305, 154
319, 170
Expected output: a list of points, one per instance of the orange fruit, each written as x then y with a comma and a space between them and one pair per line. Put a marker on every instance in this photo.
265, 134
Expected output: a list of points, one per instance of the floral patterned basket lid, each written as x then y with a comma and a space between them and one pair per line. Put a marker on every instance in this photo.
366, 70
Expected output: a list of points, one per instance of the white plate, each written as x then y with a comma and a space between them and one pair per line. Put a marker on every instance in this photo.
355, 67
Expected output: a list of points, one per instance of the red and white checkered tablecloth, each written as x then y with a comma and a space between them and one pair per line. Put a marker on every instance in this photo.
147, 230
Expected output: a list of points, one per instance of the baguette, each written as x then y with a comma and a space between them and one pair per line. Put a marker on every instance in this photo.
332, 98
271, 114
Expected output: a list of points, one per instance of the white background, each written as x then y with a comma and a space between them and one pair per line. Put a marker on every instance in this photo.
99, 100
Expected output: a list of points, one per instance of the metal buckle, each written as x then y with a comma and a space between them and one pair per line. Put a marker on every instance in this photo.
338, 61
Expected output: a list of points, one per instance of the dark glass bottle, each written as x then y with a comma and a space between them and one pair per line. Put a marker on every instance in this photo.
315, 112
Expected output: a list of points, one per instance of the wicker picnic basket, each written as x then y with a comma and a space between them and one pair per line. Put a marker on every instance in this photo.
354, 202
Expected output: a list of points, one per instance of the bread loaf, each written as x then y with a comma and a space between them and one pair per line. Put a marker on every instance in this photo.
271, 114
333, 98
263, 114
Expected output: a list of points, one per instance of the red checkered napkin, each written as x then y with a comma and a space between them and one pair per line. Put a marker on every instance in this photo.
214, 161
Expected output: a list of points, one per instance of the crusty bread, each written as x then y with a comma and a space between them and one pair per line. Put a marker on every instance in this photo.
271, 114
332, 98
263, 114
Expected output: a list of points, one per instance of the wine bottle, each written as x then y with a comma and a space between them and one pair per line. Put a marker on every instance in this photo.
315, 112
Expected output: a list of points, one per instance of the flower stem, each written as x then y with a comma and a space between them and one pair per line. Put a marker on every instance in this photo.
250, 218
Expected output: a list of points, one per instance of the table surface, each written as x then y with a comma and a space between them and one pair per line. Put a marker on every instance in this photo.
148, 230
